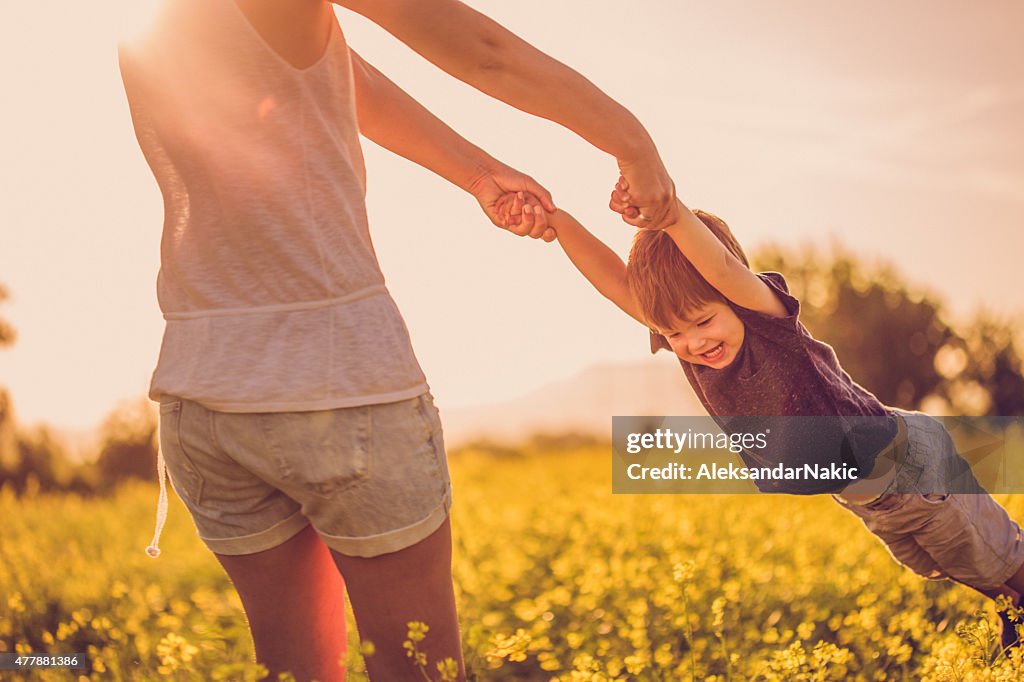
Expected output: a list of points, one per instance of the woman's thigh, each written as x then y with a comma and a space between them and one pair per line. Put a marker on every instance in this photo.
390, 591
294, 599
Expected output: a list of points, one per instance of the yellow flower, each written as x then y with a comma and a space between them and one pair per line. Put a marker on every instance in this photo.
16, 603
417, 631
174, 652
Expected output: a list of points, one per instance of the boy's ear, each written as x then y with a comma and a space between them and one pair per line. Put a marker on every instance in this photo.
658, 342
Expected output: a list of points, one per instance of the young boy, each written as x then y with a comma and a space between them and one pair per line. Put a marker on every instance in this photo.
747, 356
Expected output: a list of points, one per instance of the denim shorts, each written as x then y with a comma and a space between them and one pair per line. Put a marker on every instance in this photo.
371, 479
965, 536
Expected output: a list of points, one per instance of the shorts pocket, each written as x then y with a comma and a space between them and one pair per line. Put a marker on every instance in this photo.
887, 502
429, 415
433, 431
323, 452
184, 474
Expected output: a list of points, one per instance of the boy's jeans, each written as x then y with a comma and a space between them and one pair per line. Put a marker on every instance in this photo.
965, 536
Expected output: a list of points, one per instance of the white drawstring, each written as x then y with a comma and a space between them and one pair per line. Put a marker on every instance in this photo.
161, 506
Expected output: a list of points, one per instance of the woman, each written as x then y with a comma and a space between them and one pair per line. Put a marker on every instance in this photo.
296, 424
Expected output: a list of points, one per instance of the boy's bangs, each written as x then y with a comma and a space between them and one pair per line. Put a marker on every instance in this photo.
677, 298
666, 284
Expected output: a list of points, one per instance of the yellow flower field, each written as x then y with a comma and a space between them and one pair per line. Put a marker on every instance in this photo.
557, 580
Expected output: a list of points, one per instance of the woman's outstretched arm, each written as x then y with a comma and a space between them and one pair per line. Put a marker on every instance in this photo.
393, 119
479, 51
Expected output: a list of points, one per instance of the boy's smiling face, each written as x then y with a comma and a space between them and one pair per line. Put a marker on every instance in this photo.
710, 335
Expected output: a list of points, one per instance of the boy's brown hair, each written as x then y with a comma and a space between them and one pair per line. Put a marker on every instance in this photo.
666, 284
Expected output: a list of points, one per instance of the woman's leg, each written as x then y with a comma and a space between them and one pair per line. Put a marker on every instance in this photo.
391, 590
294, 599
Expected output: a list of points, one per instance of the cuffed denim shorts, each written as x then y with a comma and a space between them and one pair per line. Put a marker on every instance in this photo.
371, 480
965, 536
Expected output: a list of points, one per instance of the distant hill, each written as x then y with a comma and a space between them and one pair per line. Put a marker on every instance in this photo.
585, 403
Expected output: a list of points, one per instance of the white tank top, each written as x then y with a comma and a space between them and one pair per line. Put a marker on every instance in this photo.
269, 284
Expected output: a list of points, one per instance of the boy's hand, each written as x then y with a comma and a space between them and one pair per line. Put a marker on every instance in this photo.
514, 201
524, 213
623, 202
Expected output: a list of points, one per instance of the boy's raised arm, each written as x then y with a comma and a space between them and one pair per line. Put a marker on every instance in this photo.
600, 265
713, 260
720, 268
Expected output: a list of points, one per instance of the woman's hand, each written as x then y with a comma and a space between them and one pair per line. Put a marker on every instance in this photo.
645, 213
645, 195
526, 212
515, 202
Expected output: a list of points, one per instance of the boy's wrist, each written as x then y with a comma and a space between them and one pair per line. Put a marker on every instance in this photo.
672, 230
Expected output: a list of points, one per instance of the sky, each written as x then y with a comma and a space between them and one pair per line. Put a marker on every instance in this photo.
890, 128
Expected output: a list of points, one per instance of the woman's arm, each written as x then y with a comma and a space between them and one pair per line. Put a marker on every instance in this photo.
479, 51
394, 120
598, 263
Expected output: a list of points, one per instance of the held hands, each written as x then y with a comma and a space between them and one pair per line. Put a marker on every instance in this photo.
645, 196
525, 215
515, 202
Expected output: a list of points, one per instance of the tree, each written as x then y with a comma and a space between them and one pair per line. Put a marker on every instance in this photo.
7, 334
8, 437
129, 443
33, 459
42, 462
894, 339
994, 363
9, 456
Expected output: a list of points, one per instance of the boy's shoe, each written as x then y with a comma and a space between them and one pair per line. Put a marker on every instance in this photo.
1009, 620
